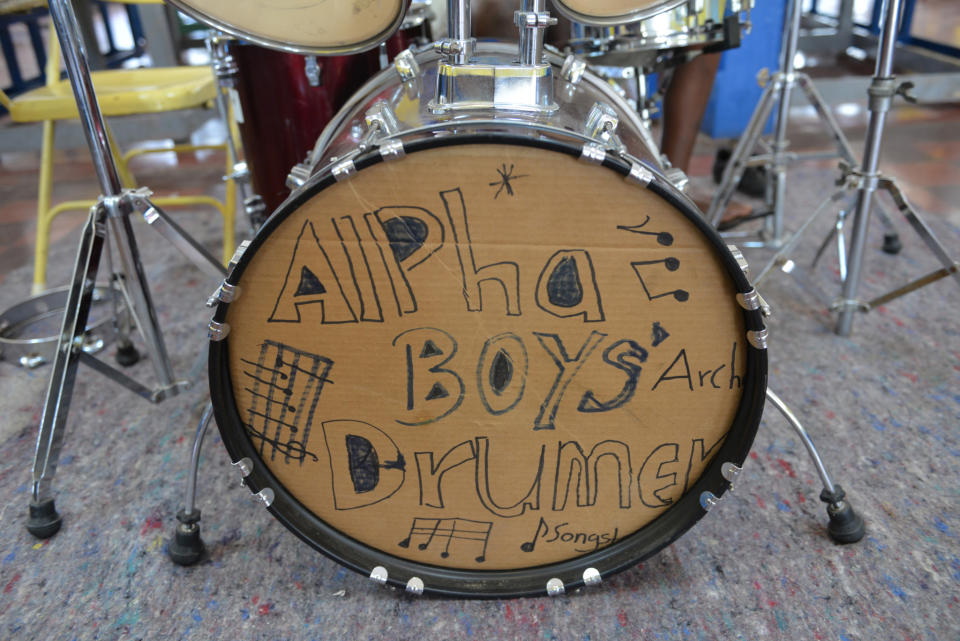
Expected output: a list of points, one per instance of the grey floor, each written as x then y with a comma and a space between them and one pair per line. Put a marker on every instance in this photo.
883, 405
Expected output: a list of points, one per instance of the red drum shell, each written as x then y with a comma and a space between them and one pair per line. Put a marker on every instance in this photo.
283, 114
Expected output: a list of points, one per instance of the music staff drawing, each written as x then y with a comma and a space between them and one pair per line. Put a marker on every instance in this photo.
671, 264
447, 531
285, 384
663, 237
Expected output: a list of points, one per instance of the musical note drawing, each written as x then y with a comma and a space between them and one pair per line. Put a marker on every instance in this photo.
285, 384
447, 531
672, 264
663, 237
506, 175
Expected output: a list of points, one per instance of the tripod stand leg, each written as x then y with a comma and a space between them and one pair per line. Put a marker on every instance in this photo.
44, 521
736, 165
186, 548
137, 291
846, 526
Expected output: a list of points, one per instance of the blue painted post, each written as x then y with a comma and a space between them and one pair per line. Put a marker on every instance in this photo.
735, 91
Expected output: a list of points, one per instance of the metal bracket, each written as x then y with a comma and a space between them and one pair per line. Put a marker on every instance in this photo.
344, 169
593, 153
572, 69
406, 65
216, 332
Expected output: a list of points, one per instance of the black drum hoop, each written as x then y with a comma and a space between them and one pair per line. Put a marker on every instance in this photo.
530, 581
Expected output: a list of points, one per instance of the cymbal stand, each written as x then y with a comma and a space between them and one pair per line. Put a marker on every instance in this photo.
866, 179
778, 88
110, 217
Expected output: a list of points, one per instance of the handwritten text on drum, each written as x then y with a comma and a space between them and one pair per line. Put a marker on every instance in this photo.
577, 472
435, 389
362, 276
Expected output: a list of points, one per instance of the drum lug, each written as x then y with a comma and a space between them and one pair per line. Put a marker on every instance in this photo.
731, 472
593, 153
708, 500
415, 586
312, 71
344, 169
245, 465
216, 332
406, 65
225, 293
237, 255
381, 123
265, 496
591, 576
392, 150
677, 177
602, 124
750, 301
572, 69
639, 174
379, 575
758, 338
555, 587
298, 175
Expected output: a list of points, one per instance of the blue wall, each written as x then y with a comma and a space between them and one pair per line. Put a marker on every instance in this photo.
735, 91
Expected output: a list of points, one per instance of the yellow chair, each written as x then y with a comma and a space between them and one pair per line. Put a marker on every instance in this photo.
120, 92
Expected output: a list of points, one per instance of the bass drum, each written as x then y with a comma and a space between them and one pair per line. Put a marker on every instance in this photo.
487, 356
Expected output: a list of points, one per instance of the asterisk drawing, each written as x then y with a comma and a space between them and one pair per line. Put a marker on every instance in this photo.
506, 175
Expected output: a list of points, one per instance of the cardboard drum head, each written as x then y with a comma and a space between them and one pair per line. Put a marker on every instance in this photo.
487, 365
341, 26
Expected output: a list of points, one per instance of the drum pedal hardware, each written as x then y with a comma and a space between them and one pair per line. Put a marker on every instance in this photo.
555, 587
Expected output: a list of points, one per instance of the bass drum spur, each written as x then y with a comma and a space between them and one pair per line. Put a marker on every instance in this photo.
487, 356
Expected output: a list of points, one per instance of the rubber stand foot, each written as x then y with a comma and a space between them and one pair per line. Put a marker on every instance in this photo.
186, 548
127, 355
44, 521
892, 244
846, 526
